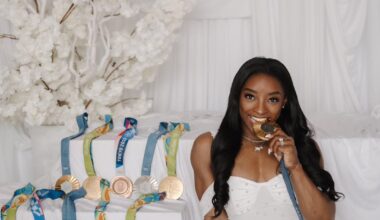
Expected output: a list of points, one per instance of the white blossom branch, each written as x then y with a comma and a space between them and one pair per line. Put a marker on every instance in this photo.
37, 8
105, 40
29, 7
10, 36
68, 12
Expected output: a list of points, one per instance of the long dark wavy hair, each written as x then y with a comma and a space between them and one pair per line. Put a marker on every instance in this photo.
228, 140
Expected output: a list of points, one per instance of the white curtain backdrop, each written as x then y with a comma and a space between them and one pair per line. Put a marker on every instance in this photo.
328, 46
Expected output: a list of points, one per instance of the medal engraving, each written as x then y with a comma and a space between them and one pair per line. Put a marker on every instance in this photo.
122, 185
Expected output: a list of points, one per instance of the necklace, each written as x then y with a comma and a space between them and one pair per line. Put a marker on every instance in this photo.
258, 147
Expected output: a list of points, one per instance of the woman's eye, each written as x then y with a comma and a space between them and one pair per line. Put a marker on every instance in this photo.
274, 100
249, 96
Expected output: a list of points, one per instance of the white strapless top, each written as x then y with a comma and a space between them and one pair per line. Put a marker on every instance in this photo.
252, 200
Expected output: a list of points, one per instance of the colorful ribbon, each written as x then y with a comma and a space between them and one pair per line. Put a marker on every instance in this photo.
20, 196
87, 144
104, 200
143, 200
171, 142
37, 198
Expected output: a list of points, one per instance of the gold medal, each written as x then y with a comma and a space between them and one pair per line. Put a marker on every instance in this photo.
145, 185
67, 184
92, 187
172, 186
122, 185
262, 129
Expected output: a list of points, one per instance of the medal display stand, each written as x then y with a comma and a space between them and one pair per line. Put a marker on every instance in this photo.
143, 165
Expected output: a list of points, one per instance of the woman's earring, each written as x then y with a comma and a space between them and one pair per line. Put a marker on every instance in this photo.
283, 106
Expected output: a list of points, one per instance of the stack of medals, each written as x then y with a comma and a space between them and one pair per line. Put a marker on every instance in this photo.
96, 187
171, 184
146, 183
122, 185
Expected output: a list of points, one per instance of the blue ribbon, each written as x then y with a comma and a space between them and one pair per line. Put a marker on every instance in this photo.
129, 133
289, 187
65, 147
151, 146
68, 208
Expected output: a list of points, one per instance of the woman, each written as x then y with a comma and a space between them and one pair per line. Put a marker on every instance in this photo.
237, 175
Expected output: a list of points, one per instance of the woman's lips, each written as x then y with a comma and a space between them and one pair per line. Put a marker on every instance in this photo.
255, 120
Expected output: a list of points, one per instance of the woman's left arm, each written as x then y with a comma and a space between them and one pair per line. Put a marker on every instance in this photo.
314, 204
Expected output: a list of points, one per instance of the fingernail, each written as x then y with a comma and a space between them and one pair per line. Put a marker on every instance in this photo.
268, 136
269, 151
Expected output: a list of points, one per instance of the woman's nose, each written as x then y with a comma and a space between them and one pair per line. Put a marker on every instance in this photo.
260, 108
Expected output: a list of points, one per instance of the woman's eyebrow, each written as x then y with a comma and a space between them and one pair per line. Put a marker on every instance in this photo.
275, 93
271, 93
250, 90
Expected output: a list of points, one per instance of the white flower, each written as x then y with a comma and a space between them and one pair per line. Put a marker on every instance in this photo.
95, 88
68, 60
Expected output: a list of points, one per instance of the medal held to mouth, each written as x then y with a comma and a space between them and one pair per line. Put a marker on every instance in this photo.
261, 129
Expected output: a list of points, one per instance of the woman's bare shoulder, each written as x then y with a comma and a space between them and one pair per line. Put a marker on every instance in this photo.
202, 147
201, 162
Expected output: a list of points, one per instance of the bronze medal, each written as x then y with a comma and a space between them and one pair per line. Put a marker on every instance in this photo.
67, 184
145, 185
172, 186
122, 185
92, 187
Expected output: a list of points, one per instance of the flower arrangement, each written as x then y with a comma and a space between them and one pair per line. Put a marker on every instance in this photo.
73, 56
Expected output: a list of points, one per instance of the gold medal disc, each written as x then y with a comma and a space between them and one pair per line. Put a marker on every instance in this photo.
92, 187
262, 129
145, 185
172, 186
122, 185
67, 184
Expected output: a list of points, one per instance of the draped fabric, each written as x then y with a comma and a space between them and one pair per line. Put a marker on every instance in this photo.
326, 45
330, 47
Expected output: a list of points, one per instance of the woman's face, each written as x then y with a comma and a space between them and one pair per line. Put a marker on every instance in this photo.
261, 98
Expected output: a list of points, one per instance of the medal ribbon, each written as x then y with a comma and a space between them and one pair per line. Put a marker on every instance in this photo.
65, 149
87, 144
151, 146
68, 207
20, 196
104, 201
131, 130
143, 200
289, 187
36, 201
171, 142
